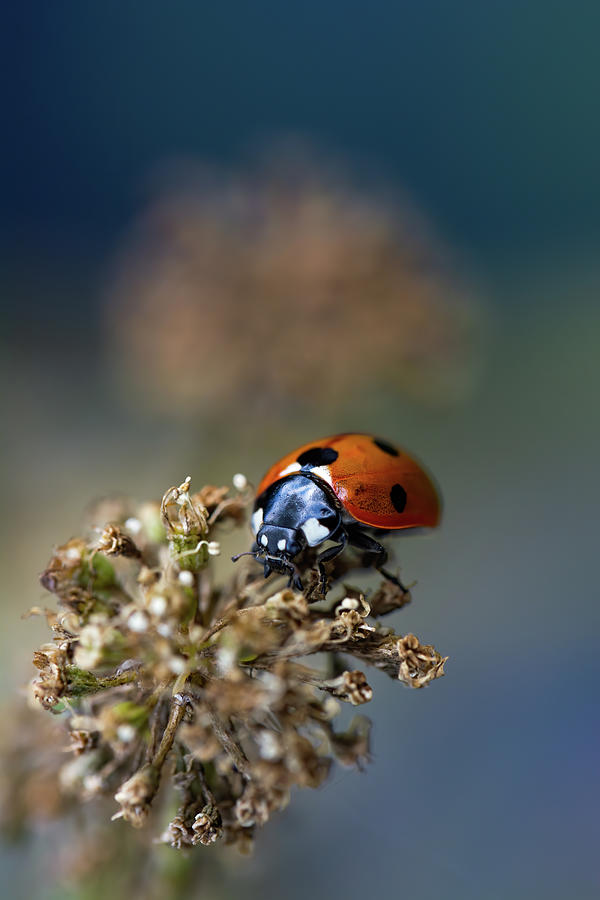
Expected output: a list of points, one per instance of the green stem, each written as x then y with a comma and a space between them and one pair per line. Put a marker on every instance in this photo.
80, 682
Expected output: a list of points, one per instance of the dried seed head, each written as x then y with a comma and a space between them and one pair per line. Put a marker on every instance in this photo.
388, 598
82, 741
167, 674
256, 806
115, 542
64, 567
419, 664
177, 834
136, 794
182, 517
352, 687
207, 827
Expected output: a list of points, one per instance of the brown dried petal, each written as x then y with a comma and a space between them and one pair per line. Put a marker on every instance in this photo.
207, 827
64, 567
352, 687
178, 834
388, 597
115, 542
257, 804
82, 741
180, 515
136, 794
210, 496
419, 664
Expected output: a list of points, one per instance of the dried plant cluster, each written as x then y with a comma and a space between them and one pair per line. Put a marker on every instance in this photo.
284, 256
193, 702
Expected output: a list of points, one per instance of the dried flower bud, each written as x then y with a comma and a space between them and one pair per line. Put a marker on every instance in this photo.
82, 741
136, 794
210, 497
354, 602
207, 827
181, 517
255, 806
51, 683
115, 542
389, 597
352, 687
186, 525
65, 567
347, 624
287, 606
177, 833
419, 664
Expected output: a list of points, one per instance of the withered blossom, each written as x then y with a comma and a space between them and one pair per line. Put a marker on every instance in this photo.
192, 705
239, 289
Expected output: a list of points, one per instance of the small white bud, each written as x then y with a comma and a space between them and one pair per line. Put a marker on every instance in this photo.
331, 708
349, 603
177, 665
126, 733
133, 525
186, 578
240, 482
226, 659
158, 605
92, 784
269, 745
138, 621
214, 548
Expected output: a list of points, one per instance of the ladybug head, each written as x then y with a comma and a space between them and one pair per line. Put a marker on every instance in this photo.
278, 543
277, 546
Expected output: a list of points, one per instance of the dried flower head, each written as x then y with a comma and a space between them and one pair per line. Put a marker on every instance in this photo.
230, 257
170, 685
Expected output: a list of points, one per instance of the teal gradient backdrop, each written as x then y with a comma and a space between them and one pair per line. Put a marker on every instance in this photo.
483, 115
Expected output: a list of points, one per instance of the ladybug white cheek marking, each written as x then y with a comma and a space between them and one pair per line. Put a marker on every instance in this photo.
314, 531
293, 467
257, 519
281, 544
264, 540
324, 473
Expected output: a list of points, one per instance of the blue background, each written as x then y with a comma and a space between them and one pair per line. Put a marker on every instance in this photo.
486, 116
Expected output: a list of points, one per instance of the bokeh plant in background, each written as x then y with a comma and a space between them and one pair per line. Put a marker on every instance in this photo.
284, 286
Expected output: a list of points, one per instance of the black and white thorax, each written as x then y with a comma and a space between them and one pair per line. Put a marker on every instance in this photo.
296, 512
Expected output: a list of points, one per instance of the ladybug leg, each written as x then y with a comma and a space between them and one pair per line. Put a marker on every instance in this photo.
328, 555
362, 541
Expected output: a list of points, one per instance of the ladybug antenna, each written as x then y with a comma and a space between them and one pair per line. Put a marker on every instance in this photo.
253, 553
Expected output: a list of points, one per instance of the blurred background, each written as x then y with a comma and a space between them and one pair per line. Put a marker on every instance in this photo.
229, 229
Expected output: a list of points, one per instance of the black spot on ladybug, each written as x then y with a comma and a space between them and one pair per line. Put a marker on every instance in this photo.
317, 456
398, 498
387, 448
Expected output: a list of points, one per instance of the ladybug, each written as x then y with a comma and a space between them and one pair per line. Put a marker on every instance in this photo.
345, 489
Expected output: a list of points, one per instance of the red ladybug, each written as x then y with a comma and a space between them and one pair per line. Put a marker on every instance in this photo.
342, 488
